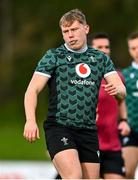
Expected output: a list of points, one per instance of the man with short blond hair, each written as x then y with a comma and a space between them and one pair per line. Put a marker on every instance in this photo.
73, 72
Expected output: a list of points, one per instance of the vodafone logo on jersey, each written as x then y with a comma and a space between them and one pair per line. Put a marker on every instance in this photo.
83, 70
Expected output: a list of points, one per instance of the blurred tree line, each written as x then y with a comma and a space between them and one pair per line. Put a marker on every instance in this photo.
29, 28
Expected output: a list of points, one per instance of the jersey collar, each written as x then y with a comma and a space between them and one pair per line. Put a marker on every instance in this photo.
134, 65
82, 50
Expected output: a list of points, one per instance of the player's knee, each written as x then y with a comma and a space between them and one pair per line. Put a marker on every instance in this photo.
75, 174
130, 174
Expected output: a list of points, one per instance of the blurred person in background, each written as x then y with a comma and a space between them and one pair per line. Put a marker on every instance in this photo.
130, 142
73, 72
111, 120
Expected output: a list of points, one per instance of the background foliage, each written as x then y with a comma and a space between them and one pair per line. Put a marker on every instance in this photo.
28, 29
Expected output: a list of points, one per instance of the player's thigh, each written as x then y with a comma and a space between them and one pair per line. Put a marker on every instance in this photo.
90, 170
130, 155
67, 164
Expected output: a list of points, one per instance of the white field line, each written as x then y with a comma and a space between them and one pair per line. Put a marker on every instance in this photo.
30, 170
26, 170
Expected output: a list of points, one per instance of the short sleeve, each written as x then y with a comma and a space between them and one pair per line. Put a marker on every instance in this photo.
46, 65
109, 66
121, 76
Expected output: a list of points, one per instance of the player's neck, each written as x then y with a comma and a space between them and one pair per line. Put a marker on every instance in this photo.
82, 50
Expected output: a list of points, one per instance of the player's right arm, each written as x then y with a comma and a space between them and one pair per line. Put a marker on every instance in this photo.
37, 83
115, 86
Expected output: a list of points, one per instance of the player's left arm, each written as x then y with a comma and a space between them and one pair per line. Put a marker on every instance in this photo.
123, 125
115, 86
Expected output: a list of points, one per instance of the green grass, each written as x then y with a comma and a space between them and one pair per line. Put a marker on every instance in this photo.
12, 144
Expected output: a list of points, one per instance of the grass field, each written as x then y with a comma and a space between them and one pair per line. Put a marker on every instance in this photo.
13, 146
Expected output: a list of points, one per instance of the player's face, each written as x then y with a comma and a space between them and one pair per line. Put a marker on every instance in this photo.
75, 35
102, 44
133, 48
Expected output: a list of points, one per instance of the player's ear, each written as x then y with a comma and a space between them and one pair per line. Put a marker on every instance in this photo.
87, 28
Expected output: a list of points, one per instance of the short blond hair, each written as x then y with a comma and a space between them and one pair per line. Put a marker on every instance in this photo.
73, 15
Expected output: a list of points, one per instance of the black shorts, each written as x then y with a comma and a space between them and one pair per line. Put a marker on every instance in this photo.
85, 141
130, 140
112, 162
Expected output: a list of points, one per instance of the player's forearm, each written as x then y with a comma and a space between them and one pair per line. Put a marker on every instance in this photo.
30, 103
121, 92
122, 110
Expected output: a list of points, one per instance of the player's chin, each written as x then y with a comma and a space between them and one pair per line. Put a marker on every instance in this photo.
74, 47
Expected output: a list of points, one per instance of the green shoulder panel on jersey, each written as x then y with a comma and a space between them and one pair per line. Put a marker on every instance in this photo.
47, 63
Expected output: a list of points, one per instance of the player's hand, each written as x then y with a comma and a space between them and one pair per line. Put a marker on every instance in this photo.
124, 128
110, 89
31, 131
